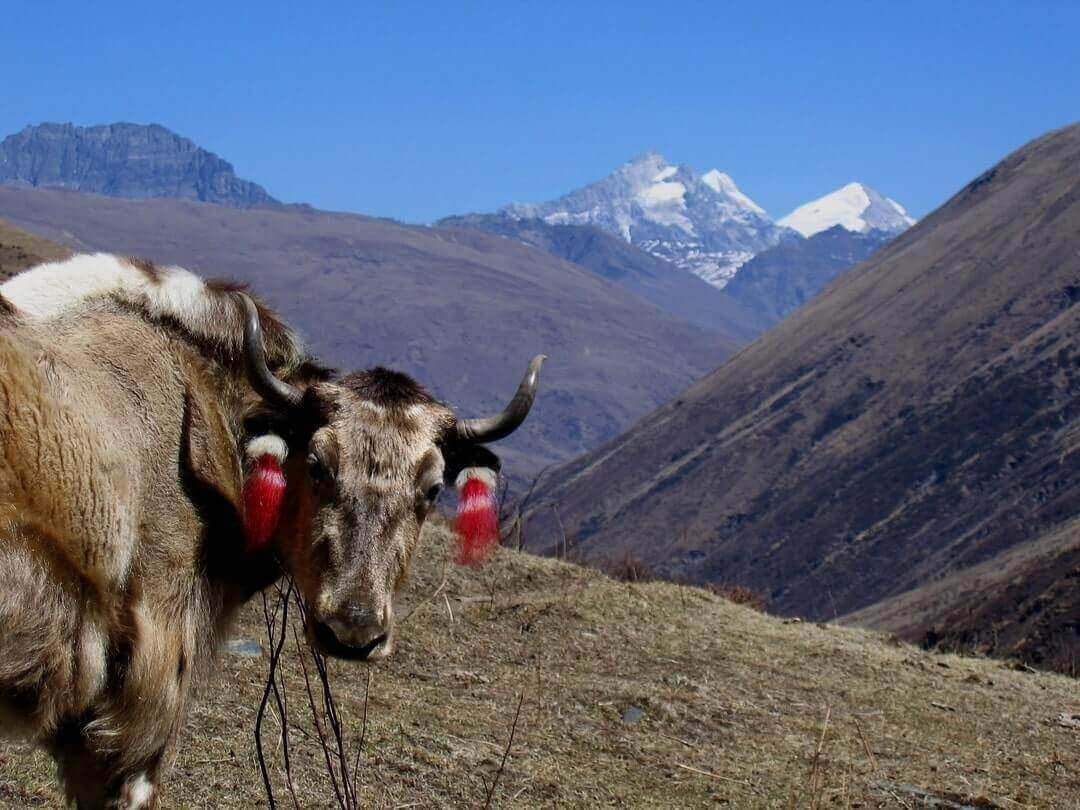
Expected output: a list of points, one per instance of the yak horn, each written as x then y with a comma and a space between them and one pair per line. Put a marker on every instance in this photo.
493, 428
266, 385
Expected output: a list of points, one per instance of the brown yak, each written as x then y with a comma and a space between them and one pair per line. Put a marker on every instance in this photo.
134, 402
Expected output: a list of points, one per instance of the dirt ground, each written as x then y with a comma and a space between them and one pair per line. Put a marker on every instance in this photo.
643, 695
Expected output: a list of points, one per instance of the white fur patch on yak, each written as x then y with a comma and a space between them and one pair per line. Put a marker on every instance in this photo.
138, 793
51, 289
55, 287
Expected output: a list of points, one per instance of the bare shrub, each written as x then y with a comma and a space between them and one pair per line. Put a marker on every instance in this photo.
342, 770
738, 594
630, 568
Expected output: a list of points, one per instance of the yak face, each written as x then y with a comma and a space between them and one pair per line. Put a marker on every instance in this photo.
363, 473
372, 472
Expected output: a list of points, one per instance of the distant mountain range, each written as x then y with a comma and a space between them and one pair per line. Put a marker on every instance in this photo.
918, 421
461, 310
703, 222
897, 449
688, 325
124, 160
669, 287
699, 222
650, 227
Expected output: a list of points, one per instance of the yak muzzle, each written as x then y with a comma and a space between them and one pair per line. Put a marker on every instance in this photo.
354, 634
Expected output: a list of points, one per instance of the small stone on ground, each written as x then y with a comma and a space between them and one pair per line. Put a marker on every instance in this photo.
246, 647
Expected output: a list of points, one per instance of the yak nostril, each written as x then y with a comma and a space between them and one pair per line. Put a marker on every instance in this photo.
334, 645
358, 626
356, 616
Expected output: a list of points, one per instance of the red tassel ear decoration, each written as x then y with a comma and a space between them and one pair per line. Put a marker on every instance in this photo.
264, 490
477, 523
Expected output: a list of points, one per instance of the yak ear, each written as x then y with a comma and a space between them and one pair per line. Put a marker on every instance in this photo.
208, 451
459, 455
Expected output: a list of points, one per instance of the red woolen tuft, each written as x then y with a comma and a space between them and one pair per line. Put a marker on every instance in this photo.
264, 492
477, 523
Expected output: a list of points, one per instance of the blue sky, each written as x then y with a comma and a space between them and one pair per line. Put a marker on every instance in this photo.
417, 110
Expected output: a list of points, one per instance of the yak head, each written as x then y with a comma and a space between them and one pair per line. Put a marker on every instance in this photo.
358, 465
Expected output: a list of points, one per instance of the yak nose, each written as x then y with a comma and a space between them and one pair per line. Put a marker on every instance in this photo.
364, 631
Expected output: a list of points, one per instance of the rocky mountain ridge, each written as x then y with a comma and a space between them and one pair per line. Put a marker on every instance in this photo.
124, 160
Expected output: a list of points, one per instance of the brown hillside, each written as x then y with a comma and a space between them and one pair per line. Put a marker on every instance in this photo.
734, 709
463, 315
918, 417
1023, 603
19, 250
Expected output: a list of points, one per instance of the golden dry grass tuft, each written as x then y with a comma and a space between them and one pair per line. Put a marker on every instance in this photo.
645, 695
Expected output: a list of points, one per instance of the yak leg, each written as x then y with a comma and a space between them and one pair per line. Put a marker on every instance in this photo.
37, 628
94, 781
113, 757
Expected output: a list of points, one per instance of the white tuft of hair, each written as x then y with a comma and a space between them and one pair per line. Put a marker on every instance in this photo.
484, 474
139, 791
267, 445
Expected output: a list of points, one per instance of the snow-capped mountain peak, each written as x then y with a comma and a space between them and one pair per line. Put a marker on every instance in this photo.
722, 183
856, 207
703, 223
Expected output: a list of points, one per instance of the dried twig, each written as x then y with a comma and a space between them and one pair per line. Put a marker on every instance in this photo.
677, 739
562, 534
866, 746
817, 756
426, 600
713, 775
520, 520
506, 753
363, 731
448, 609
323, 744
276, 642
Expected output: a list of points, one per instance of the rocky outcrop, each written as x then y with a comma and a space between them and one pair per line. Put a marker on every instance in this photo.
124, 160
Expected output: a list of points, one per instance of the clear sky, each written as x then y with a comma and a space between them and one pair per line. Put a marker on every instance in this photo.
416, 110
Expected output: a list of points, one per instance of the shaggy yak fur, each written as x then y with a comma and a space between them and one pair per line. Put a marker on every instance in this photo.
125, 412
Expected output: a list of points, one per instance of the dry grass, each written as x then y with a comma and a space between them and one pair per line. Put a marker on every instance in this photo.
19, 250
739, 708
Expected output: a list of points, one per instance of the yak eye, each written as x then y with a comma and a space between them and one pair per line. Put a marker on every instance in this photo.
433, 492
318, 471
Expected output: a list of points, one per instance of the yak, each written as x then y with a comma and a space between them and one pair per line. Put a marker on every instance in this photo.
169, 449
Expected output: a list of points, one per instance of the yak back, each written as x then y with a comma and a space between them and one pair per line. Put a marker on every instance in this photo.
124, 396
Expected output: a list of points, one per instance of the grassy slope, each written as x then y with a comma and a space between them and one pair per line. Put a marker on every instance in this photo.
19, 250
738, 708
1023, 603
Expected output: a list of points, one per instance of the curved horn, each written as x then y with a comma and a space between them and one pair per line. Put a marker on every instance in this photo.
493, 428
266, 385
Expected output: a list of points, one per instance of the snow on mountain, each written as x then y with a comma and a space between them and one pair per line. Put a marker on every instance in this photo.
723, 184
856, 207
702, 223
